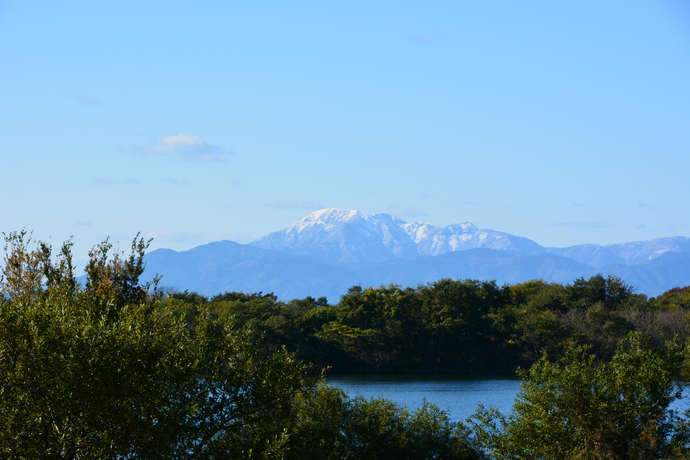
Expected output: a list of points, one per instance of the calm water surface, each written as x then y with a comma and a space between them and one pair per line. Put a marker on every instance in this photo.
459, 395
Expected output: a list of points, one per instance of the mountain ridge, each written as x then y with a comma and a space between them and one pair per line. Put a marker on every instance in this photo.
355, 238
331, 250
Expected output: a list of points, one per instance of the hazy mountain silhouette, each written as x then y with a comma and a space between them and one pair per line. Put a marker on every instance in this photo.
331, 250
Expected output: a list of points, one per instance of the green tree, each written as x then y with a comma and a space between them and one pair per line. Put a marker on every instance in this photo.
579, 408
676, 298
377, 327
610, 291
329, 425
529, 323
109, 371
457, 324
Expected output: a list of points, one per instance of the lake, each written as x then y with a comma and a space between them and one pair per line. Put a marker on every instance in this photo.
459, 395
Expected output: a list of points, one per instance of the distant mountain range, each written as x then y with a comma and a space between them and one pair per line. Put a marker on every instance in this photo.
331, 250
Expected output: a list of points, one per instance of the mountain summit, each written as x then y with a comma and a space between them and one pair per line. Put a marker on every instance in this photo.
353, 238
331, 250
344, 237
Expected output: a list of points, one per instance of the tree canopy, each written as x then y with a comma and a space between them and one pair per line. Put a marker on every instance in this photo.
116, 369
577, 407
108, 371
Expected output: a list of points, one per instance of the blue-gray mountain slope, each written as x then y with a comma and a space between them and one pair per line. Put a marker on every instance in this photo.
332, 250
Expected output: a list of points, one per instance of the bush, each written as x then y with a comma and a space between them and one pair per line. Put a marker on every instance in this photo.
107, 371
578, 408
328, 425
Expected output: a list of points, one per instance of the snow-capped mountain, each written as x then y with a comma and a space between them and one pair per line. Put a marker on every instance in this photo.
343, 237
354, 238
461, 237
637, 252
632, 253
331, 250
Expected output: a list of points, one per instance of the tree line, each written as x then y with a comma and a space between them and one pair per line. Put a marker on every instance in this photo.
458, 327
117, 369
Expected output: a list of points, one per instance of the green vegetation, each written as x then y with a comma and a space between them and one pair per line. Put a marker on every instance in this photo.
328, 425
108, 371
452, 326
580, 408
114, 369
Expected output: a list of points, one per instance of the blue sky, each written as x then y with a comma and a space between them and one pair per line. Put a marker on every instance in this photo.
566, 122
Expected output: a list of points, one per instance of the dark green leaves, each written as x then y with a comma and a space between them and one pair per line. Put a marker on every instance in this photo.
109, 372
580, 408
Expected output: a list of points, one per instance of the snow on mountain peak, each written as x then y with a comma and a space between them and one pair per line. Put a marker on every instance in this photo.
353, 237
460, 228
325, 218
420, 230
344, 236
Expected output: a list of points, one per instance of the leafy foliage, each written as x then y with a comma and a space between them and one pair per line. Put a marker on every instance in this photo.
116, 369
676, 298
328, 425
451, 326
108, 371
580, 408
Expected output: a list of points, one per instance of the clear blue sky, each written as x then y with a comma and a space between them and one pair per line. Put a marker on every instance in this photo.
563, 121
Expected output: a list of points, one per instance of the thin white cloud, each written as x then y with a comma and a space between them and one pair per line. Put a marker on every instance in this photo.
588, 224
189, 147
299, 205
